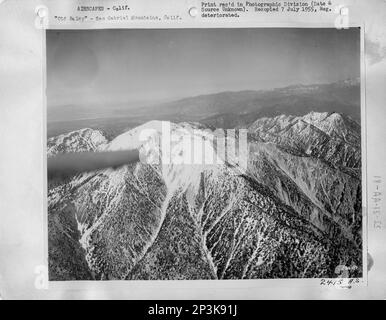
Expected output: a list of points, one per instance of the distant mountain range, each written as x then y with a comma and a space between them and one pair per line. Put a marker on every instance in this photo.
294, 213
231, 109
220, 110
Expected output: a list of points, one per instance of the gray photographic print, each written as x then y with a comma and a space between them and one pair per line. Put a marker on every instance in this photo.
248, 144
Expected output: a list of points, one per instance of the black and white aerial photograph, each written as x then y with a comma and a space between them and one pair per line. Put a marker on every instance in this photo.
204, 154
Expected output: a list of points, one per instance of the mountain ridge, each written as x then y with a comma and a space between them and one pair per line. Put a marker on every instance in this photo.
161, 221
221, 110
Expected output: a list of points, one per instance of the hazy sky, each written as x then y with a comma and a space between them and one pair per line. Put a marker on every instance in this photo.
123, 66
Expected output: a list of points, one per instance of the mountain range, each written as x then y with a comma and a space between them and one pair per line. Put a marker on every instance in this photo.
220, 110
295, 211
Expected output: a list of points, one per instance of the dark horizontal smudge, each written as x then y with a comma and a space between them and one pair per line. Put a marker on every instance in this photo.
69, 164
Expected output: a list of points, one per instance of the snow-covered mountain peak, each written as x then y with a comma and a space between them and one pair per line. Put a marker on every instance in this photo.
330, 136
76, 141
135, 137
328, 122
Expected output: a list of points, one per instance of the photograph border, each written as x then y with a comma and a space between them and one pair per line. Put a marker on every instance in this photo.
192, 288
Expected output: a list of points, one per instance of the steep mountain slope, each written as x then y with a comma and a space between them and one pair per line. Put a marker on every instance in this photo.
66, 255
291, 213
328, 136
319, 156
